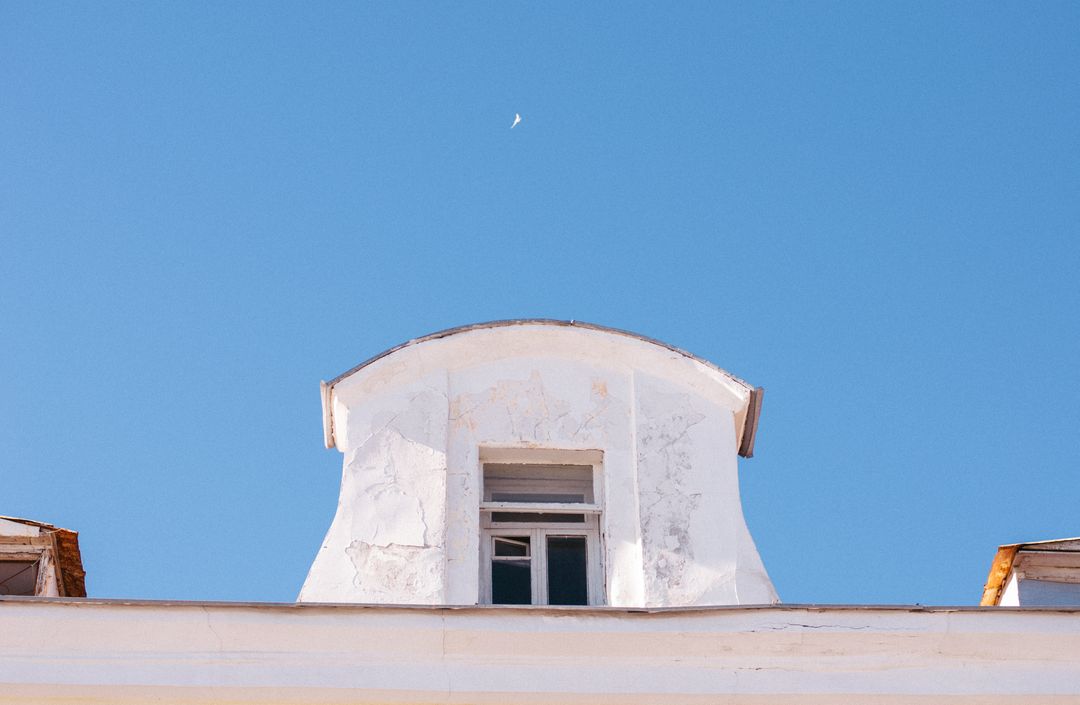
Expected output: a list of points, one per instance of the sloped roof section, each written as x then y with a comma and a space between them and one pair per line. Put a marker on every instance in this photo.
68, 555
1005, 557
755, 394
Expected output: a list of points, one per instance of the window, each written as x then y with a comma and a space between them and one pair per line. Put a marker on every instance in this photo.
540, 538
19, 577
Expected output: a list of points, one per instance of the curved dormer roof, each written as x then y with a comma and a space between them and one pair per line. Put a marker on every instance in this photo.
481, 343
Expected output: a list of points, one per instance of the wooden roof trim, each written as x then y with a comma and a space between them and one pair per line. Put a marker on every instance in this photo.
69, 558
753, 412
999, 574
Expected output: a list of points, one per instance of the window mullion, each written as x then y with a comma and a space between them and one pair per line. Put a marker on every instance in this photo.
485, 566
539, 567
592, 565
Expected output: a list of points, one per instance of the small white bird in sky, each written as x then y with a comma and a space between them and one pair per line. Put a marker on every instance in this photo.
517, 119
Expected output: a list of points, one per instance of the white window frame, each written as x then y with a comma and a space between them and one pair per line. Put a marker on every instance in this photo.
46, 581
538, 532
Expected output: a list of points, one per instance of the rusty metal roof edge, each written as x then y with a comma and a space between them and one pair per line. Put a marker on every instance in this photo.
538, 609
69, 559
749, 427
750, 423
1024, 544
1000, 568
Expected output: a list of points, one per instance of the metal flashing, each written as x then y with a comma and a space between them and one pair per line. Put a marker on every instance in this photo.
753, 412
536, 609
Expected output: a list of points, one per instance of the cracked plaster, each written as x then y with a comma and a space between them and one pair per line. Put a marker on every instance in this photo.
411, 426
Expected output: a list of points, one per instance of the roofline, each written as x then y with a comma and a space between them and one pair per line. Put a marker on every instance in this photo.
123, 652
1025, 544
533, 609
535, 322
753, 412
29, 522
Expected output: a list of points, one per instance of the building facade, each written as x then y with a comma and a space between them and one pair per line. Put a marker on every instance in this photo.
562, 462
541, 512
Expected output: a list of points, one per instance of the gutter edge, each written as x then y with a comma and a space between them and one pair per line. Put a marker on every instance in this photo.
750, 425
326, 392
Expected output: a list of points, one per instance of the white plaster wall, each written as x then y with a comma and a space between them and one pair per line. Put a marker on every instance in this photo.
1010, 596
17, 528
697, 549
412, 426
86, 651
386, 543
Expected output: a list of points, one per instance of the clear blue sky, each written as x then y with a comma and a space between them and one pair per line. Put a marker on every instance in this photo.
870, 210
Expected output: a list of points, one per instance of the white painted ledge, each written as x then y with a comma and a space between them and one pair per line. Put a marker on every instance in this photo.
97, 651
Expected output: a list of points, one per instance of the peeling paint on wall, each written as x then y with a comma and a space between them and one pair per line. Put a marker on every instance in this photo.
385, 573
669, 498
386, 541
412, 424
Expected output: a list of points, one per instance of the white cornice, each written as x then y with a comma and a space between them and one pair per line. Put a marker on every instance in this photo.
100, 651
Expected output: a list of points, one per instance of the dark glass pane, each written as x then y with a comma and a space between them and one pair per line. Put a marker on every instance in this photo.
18, 577
511, 583
539, 517
512, 546
550, 497
567, 577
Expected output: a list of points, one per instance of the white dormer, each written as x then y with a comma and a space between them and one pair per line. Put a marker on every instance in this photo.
539, 462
